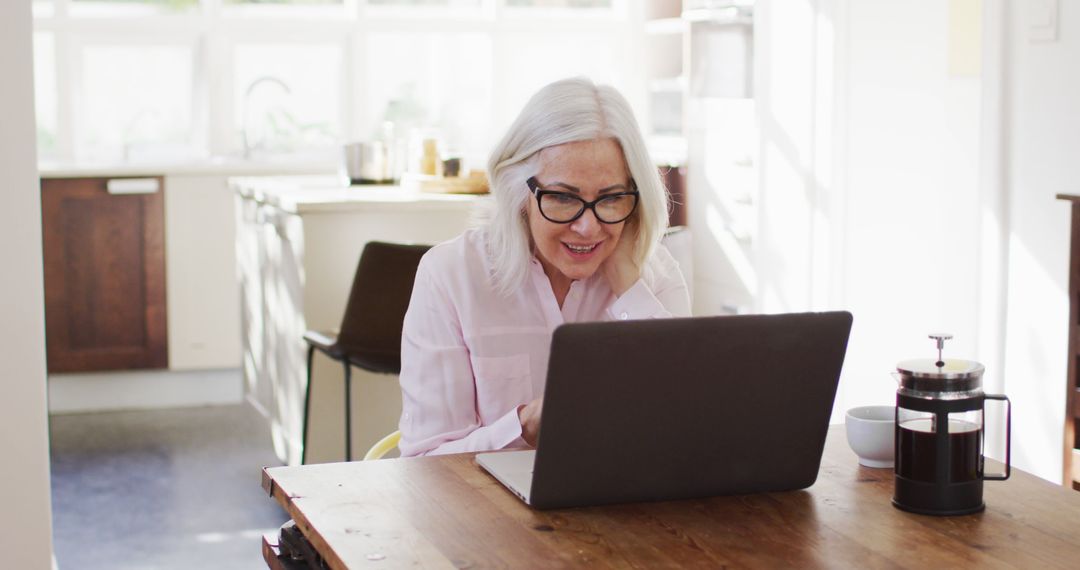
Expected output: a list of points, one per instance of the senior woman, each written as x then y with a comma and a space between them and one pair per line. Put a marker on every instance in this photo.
579, 211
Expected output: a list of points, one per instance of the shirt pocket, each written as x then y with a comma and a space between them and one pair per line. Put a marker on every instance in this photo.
502, 383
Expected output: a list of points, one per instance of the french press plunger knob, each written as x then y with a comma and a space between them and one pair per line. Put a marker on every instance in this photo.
940, 338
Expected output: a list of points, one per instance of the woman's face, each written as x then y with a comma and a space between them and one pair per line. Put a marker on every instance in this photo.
588, 169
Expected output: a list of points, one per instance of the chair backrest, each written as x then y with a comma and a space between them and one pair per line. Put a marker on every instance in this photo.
370, 333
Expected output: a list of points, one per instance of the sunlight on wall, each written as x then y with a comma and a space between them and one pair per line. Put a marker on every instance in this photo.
785, 245
1035, 368
869, 188
789, 77
734, 254
786, 118
722, 173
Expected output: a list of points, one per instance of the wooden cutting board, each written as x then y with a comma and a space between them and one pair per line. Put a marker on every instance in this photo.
475, 183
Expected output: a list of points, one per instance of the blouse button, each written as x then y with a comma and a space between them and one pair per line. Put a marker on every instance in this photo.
623, 316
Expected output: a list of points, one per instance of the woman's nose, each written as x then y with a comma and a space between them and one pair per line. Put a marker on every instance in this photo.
587, 225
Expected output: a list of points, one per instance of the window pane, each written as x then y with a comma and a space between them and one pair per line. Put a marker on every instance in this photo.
536, 59
287, 9
135, 102
45, 92
44, 8
440, 81
559, 3
130, 7
287, 96
472, 4
290, 2
161, 3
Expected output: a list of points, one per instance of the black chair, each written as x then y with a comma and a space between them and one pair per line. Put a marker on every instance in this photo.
370, 335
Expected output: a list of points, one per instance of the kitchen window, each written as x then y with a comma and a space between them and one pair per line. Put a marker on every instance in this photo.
162, 80
441, 79
133, 100
45, 87
286, 96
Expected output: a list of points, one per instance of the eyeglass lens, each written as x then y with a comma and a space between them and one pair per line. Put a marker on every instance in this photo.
561, 207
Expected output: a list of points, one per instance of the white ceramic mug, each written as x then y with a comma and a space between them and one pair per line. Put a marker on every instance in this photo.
871, 434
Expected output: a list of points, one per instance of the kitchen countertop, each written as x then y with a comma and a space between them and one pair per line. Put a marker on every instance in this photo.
312, 194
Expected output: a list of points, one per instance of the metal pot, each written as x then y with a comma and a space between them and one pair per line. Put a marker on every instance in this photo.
369, 163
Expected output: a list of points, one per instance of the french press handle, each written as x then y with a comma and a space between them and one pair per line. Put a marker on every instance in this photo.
1008, 435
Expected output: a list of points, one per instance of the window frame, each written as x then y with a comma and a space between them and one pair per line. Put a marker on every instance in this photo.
214, 28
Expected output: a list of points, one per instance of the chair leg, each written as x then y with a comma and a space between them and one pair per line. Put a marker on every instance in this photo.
307, 405
348, 411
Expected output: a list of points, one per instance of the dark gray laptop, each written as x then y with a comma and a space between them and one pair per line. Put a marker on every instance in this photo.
680, 408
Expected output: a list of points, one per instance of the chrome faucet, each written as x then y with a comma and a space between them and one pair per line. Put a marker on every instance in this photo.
247, 96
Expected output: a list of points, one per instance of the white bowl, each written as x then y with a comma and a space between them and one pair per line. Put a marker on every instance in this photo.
871, 434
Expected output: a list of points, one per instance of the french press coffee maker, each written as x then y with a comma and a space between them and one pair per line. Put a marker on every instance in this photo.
940, 424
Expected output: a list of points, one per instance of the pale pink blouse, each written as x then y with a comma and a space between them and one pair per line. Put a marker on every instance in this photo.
470, 356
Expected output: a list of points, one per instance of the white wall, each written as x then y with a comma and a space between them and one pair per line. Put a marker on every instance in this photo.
1041, 135
869, 179
908, 177
909, 157
25, 527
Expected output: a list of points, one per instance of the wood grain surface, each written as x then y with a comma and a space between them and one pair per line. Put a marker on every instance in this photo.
104, 264
447, 512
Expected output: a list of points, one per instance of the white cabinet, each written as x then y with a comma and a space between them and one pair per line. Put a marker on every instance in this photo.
203, 296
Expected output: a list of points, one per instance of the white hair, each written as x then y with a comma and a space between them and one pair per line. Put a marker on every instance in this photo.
565, 111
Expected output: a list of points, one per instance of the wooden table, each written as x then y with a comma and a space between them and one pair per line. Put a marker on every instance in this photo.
446, 512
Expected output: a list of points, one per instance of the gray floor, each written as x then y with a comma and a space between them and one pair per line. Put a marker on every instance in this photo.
161, 489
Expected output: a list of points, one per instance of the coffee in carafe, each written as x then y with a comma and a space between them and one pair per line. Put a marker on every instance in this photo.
917, 444
940, 434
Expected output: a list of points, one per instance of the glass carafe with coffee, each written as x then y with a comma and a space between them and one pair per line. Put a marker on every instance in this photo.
940, 429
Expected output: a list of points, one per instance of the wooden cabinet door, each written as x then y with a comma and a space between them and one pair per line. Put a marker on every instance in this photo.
104, 257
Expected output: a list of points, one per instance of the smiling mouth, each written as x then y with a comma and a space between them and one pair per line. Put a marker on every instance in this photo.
580, 249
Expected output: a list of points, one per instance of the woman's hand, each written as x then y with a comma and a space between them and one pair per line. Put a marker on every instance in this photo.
619, 268
529, 416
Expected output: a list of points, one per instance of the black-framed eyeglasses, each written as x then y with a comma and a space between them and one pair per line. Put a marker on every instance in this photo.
565, 207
